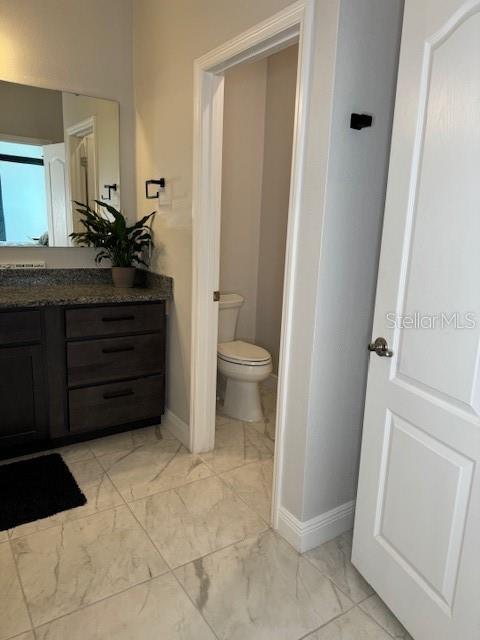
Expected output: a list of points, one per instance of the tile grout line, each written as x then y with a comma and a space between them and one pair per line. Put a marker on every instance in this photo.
304, 555
93, 604
325, 624
260, 460
196, 607
149, 537
350, 608
376, 621
267, 523
169, 570
57, 524
218, 475
61, 524
25, 601
240, 466
90, 604
172, 570
125, 504
232, 544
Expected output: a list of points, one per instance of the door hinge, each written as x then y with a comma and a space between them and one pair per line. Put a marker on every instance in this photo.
216, 296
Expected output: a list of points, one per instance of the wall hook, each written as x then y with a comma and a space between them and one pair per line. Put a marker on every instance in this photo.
360, 121
110, 188
161, 185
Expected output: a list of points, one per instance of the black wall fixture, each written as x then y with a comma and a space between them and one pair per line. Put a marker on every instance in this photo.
160, 183
359, 121
109, 188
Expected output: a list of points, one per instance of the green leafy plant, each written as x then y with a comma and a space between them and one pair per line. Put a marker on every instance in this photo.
123, 245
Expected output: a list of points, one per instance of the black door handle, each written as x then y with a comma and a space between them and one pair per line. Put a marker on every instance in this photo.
109, 395
118, 349
117, 318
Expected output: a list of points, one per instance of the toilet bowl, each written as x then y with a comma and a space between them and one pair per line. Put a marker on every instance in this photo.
244, 365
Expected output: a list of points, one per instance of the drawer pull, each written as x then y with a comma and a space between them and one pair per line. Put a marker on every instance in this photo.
117, 318
118, 349
109, 395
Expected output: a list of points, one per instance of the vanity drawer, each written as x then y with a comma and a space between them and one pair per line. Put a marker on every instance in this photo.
108, 321
19, 327
115, 404
95, 361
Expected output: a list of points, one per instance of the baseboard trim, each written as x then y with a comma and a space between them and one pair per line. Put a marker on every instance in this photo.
177, 427
307, 535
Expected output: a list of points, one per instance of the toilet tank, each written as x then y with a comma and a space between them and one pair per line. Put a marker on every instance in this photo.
229, 308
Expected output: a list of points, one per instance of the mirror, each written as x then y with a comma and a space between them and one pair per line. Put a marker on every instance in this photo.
55, 147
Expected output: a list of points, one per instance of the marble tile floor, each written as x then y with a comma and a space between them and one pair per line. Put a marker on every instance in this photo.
178, 546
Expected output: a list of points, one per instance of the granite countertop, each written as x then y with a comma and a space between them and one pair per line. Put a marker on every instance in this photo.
62, 287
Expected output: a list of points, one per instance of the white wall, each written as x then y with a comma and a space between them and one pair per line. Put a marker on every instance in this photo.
366, 67
30, 112
84, 47
257, 153
242, 171
277, 163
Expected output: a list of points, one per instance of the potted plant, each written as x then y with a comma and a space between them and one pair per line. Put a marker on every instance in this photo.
123, 245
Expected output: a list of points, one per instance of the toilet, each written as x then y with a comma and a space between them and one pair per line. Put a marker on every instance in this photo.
242, 364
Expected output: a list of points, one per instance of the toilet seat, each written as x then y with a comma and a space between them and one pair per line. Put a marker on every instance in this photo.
243, 353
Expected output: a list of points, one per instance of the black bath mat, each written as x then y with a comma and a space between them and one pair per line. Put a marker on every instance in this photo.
36, 488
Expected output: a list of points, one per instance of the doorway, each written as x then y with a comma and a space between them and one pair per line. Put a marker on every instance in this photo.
291, 26
259, 108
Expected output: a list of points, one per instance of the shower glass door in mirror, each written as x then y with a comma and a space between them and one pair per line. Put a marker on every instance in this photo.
55, 148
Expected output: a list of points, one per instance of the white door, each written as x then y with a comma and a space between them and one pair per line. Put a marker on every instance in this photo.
417, 528
56, 185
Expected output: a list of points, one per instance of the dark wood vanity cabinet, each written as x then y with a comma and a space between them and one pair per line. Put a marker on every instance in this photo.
23, 389
115, 360
67, 373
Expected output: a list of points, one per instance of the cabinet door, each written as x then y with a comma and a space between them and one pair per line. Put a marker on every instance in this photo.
22, 395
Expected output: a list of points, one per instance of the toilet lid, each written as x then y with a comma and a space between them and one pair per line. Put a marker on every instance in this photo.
243, 353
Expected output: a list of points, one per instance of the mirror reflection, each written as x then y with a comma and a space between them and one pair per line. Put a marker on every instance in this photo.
55, 147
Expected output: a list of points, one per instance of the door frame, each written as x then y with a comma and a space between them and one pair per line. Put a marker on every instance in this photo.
81, 129
291, 25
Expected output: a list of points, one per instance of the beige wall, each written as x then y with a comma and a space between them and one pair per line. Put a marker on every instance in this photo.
84, 47
30, 112
277, 163
242, 171
257, 150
